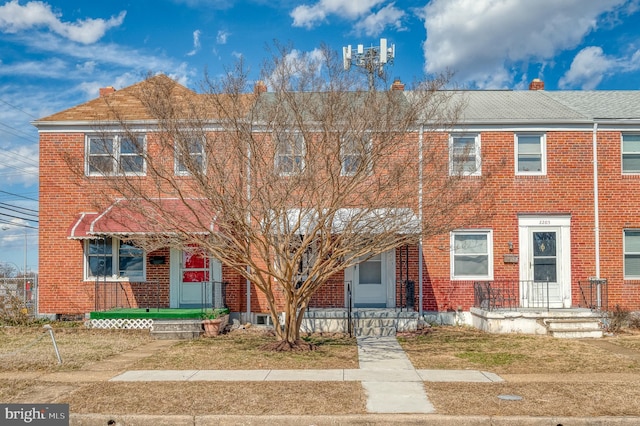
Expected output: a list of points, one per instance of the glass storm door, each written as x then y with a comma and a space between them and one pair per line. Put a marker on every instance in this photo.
545, 254
195, 280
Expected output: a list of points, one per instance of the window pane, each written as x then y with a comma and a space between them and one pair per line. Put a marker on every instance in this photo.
544, 243
470, 243
544, 269
128, 146
100, 146
631, 143
529, 164
131, 164
100, 246
195, 276
350, 164
471, 266
194, 261
100, 266
631, 162
131, 266
529, 145
632, 241
632, 265
101, 164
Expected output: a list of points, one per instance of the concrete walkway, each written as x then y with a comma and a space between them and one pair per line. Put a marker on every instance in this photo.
390, 381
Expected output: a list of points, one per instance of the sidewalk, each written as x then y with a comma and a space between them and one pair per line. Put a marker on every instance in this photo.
391, 382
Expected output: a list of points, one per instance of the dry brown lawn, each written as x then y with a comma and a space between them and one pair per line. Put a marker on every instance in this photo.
554, 377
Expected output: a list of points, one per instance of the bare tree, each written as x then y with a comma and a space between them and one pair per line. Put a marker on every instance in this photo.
291, 186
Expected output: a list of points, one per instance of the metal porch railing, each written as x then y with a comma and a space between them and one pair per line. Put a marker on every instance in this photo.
594, 294
506, 295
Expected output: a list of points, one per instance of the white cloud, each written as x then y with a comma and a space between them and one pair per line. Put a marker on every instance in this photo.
480, 39
15, 17
294, 64
375, 23
196, 43
309, 16
587, 69
590, 66
222, 37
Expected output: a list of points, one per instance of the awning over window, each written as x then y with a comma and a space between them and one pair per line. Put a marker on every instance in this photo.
131, 217
352, 220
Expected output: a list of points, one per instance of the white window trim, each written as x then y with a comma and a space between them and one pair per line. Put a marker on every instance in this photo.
115, 256
489, 234
177, 162
279, 155
543, 154
622, 135
477, 146
624, 254
116, 158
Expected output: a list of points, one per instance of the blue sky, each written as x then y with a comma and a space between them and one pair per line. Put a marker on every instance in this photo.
55, 54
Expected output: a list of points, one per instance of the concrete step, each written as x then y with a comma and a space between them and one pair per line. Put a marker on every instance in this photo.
374, 331
177, 329
577, 334
574, 328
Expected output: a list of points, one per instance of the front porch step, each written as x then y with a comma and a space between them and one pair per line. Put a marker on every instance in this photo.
374, 331
176, 329
574, 328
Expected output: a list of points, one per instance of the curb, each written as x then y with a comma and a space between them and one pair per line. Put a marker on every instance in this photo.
355, 419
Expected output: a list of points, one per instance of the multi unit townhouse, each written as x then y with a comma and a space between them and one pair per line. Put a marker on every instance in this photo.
560, 229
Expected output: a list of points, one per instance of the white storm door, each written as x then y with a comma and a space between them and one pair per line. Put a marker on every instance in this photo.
372, 282
545, 263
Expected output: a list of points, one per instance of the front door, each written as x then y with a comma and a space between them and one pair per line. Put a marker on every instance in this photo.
193, 279
545, 264
374, 281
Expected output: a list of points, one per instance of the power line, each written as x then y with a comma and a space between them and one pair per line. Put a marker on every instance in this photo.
18, 109
18, 195
18, 217
17, 225
21, 208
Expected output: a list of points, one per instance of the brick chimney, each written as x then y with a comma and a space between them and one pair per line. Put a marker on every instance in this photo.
105, 91
397, 85
260, 87
536, 84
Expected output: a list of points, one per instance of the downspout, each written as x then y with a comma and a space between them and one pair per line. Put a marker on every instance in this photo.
596, 208
420, 196
248, 314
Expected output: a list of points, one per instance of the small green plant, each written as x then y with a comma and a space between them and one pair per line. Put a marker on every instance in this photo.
213, 313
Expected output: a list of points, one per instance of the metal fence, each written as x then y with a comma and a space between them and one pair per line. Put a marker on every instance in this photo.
506, 295
594, 294
151, 295
20, 292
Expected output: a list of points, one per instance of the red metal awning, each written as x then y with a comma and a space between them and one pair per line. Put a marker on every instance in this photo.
158, 216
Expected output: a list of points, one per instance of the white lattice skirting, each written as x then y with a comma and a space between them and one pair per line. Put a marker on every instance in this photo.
121, 323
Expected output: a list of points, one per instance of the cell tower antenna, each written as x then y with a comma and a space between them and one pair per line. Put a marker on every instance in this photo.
372, 59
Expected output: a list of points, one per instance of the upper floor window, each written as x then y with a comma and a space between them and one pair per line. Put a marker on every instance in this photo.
464, 155
190, 156
355, 153
111, 258
530, 152
471, 255
290, 152
631, 153
115, 155
632, 254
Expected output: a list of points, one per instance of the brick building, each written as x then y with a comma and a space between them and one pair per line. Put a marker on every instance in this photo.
561, 168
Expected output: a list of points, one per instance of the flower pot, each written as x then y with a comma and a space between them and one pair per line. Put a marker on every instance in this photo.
212, 327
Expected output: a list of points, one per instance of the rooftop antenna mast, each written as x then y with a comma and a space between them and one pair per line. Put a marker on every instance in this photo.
371, 59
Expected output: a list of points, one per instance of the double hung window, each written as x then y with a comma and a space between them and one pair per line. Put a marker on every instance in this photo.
631, 153
530, 150
290, 152
190, 156
471, 255
464, 155
355, 153
115, 155
632, 254
112, 258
